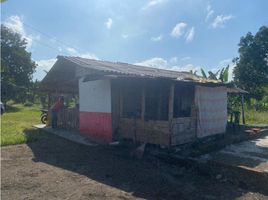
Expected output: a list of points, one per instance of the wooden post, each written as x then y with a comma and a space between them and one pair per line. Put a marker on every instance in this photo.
49, 101
170, 110
171, 102
121, 102
243, 112
143, 103
159, 109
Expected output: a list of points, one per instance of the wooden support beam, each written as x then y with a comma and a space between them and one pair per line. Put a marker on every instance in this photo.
49, 102
243, 112
159, 108
171, 102
143, 103
121, 102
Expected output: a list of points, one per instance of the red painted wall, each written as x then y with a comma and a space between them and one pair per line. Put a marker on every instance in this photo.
97, 125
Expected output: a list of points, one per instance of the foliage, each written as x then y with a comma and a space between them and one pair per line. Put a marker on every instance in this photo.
221, 75
194, 72
234, 103
255, 117
17, 67
16, 125
251, 70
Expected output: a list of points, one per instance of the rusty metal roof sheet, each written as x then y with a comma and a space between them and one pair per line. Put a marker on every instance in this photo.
236, 90
135, 70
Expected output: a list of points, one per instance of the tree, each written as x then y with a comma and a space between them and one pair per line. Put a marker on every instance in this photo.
17, 67
251, 70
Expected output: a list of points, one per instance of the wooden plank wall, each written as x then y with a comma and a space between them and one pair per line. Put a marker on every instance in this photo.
153, 132
183, 130
68, 119
172, 131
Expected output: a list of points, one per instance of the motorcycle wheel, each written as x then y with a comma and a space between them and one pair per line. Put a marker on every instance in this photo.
44, 119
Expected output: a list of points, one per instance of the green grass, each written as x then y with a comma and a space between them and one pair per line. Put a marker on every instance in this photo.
256, 117
16, 125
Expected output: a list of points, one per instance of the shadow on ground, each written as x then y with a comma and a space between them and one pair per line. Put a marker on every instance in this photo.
150, 178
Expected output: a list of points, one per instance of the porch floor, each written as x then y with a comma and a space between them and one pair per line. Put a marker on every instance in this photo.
69, 135
251, 155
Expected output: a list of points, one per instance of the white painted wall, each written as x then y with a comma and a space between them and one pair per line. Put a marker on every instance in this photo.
95, 96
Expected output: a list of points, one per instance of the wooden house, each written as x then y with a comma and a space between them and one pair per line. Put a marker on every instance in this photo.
148, 105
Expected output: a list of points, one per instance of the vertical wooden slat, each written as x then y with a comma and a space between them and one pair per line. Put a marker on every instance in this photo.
170, 111
171, 102
143, 103
159, 108
121, 102
49, 101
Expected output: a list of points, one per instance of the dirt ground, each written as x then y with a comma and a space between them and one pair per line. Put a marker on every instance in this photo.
55, 168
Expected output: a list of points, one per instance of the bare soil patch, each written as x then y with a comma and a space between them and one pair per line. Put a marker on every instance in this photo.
55, 168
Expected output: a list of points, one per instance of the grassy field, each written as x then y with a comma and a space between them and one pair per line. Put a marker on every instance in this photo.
16, 125
254, 117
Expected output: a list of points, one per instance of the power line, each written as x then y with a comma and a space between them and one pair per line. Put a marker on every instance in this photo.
48, 36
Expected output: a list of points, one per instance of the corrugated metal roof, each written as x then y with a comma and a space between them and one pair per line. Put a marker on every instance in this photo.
236, 90
134, 70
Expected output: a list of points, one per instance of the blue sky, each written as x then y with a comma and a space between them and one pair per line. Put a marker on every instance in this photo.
172, 34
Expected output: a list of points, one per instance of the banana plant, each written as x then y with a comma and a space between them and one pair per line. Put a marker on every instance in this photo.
221, 75
193, 72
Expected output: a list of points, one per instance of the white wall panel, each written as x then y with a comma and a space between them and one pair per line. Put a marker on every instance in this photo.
95, 96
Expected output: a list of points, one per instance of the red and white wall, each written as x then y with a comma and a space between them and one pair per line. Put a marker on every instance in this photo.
95, 109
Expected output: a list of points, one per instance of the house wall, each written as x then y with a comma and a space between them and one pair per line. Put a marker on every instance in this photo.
95, 118
183, 130
211, 103
151, 131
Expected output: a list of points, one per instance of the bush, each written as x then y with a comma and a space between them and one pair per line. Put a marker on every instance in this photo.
28, 104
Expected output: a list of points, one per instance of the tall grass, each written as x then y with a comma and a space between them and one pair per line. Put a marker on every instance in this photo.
16, 124
256, 117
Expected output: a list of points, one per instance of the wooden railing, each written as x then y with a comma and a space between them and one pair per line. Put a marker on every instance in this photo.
68, 118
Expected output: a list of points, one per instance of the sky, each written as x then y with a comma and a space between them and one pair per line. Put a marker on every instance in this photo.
171, 34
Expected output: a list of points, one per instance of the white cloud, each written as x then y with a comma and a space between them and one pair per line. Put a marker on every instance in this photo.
190, 35
161, 63
71, 50
220, 21
43, 66
210, 12
152, 3
157, 39
178, 30
173, 59
88, 55
125, 36
189, 67
154, 62
109, 23
185, 58
74, 52
15, 23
